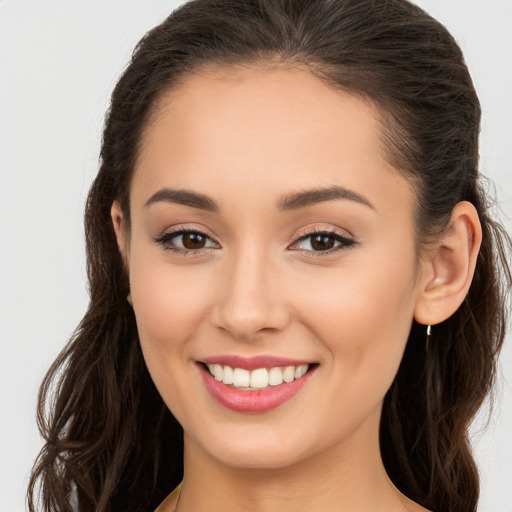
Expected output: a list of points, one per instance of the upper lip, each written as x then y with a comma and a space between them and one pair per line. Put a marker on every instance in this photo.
255, 362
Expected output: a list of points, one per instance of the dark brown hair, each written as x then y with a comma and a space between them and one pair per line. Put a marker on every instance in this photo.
110, 442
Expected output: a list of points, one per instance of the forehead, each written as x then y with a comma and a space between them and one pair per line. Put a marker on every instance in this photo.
258, 101
264, 130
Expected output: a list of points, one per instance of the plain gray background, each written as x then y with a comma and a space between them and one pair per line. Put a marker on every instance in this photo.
59, 61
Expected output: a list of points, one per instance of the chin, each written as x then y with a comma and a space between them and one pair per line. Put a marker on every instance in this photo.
254, 451
258, 459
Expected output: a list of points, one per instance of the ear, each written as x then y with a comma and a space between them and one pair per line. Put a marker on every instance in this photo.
118, 222
448, 267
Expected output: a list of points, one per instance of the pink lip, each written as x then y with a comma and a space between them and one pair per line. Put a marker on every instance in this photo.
253, 401
253, 363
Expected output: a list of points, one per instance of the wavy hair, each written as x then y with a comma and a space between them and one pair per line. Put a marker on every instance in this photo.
110, 443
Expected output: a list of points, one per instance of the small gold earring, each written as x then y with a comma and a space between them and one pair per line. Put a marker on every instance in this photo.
429, 330
427, 344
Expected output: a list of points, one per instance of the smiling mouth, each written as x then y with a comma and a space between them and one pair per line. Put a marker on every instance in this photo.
259, 378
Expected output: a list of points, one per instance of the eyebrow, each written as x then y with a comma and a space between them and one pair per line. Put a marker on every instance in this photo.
319, 195
185, 197
294, 201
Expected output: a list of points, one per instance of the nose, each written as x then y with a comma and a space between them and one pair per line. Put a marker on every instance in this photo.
251, 299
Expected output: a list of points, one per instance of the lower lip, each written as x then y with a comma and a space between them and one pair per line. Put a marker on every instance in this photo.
241, 400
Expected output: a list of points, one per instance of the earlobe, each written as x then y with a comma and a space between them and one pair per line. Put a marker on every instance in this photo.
118, 223
449, 267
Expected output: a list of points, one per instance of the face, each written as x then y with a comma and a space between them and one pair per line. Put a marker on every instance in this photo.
268, 232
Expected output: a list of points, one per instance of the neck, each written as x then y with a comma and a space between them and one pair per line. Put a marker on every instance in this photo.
349, 477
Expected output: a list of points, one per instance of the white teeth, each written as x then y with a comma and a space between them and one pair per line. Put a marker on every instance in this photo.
301, 370
260, 378
218, 372
289, 374
228, 375
241, 378
275, 376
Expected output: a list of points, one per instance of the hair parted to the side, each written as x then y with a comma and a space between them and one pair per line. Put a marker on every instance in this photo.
110, 442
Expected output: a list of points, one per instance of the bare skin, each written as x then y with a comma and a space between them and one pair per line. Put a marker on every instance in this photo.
246, 139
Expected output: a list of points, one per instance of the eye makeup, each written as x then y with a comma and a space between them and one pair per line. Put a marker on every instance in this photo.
317, 242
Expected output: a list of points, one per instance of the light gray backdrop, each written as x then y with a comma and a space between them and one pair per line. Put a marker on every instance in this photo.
58, 63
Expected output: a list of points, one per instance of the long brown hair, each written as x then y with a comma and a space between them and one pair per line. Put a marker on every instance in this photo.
110, 442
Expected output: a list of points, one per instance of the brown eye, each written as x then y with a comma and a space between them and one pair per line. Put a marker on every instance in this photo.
186, 240
193, 240
322, 242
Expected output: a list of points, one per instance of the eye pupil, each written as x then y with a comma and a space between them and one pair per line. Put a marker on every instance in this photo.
322, 242
193, 241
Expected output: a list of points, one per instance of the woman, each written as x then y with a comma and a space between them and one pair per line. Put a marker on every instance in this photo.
297, 293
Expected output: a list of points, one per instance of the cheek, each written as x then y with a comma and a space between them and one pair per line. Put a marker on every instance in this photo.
363, 319
169, 306
364, 314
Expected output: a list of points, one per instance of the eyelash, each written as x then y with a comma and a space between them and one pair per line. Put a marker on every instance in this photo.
165, 238
344, 241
